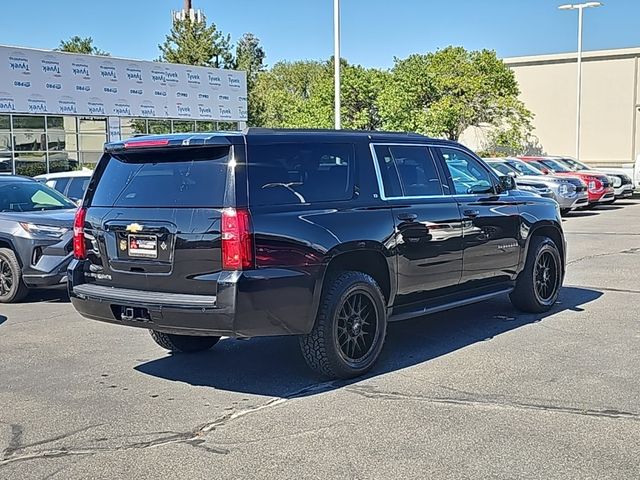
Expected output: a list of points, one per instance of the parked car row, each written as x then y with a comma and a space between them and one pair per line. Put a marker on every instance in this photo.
574, 185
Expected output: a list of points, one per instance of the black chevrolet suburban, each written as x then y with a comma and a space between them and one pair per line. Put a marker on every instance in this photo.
327, 235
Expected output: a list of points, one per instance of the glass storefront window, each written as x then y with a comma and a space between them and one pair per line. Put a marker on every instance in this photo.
130, 127
31, 164
5, 142
89, 159
183, 127
55, 123
205, 126
5, 123
24, 122
93, 125
91, 142
159, 126
29, 141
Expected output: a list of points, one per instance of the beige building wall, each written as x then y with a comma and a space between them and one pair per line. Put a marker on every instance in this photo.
610, 92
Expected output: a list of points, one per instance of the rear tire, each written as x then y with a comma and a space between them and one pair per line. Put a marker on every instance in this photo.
538, 285
12, 288
350, 327
183, 343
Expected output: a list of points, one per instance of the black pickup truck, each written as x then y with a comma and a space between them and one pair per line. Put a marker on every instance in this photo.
327, 235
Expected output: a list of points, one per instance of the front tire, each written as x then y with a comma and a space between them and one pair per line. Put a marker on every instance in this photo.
183, 343
565, 211
350, 328
12, 288
538, 285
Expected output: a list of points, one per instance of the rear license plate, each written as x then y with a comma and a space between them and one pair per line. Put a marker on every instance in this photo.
144, 246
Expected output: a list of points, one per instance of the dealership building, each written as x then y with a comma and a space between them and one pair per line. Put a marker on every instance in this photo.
58, 109
610, 120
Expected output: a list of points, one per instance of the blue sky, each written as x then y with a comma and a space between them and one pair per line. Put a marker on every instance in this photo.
374, 31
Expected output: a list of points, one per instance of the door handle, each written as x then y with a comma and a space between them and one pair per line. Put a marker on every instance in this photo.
471, 213
407, 217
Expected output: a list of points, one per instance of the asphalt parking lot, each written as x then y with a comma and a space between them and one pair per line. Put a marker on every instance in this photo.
479, 392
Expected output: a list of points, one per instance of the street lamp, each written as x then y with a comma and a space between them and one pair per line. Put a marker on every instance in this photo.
336, 62
580, 7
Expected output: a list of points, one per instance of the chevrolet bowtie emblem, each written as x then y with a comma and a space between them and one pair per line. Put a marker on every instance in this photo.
134, 228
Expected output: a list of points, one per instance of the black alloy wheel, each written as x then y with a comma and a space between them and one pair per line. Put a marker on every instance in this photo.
356, 326
547, 276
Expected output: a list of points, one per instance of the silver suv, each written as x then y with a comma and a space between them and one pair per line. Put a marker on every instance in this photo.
36, 237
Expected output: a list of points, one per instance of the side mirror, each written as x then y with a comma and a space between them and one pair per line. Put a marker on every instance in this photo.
507, 183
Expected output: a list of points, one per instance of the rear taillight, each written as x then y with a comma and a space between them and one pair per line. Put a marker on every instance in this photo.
237, 242
79, 248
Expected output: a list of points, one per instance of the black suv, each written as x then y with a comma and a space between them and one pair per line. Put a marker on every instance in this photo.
328, 235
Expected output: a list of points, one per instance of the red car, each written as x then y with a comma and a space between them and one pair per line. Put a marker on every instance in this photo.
599, 187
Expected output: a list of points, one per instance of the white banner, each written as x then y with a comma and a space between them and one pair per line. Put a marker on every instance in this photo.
40, 81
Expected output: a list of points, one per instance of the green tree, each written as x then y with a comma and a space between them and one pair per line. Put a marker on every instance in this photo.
250, 59
301, 95
445, 92
193, 42
77, 44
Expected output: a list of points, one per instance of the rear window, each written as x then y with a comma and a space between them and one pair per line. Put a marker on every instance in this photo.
285, 174
165, 178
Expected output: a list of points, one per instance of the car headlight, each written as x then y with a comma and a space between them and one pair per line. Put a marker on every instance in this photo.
44, 230
528, 188
615, 181
567, 190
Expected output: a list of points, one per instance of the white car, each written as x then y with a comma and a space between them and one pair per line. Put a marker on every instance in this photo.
71, 184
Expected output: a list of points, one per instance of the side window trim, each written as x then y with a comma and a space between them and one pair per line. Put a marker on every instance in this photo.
376, 165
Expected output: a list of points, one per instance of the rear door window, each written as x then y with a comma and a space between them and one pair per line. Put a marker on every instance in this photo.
408, 170
284, 174
77, 186
189, 177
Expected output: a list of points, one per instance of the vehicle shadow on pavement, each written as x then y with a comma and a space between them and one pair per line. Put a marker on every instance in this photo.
581, 213
52, 295
274, 366
2, 319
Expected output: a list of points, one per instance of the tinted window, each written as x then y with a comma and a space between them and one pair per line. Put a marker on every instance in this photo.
300, 173
58, 183
30, 197
77, 186
501, 168
168, 178
555, 166
408, 171
467, 173
524, 167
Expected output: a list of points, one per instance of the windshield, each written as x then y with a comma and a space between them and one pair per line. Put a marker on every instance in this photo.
575, 164
502, 168
31, 197
555, 166
524, 168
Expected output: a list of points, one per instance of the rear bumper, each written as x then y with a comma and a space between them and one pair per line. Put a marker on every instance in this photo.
263, 302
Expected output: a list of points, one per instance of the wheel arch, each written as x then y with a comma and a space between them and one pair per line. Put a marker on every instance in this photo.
554, 232
367, 257
8, 243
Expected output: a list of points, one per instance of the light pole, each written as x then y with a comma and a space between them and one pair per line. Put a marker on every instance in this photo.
336, 62
580, 7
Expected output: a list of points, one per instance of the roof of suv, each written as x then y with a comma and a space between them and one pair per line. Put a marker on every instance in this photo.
264, 134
